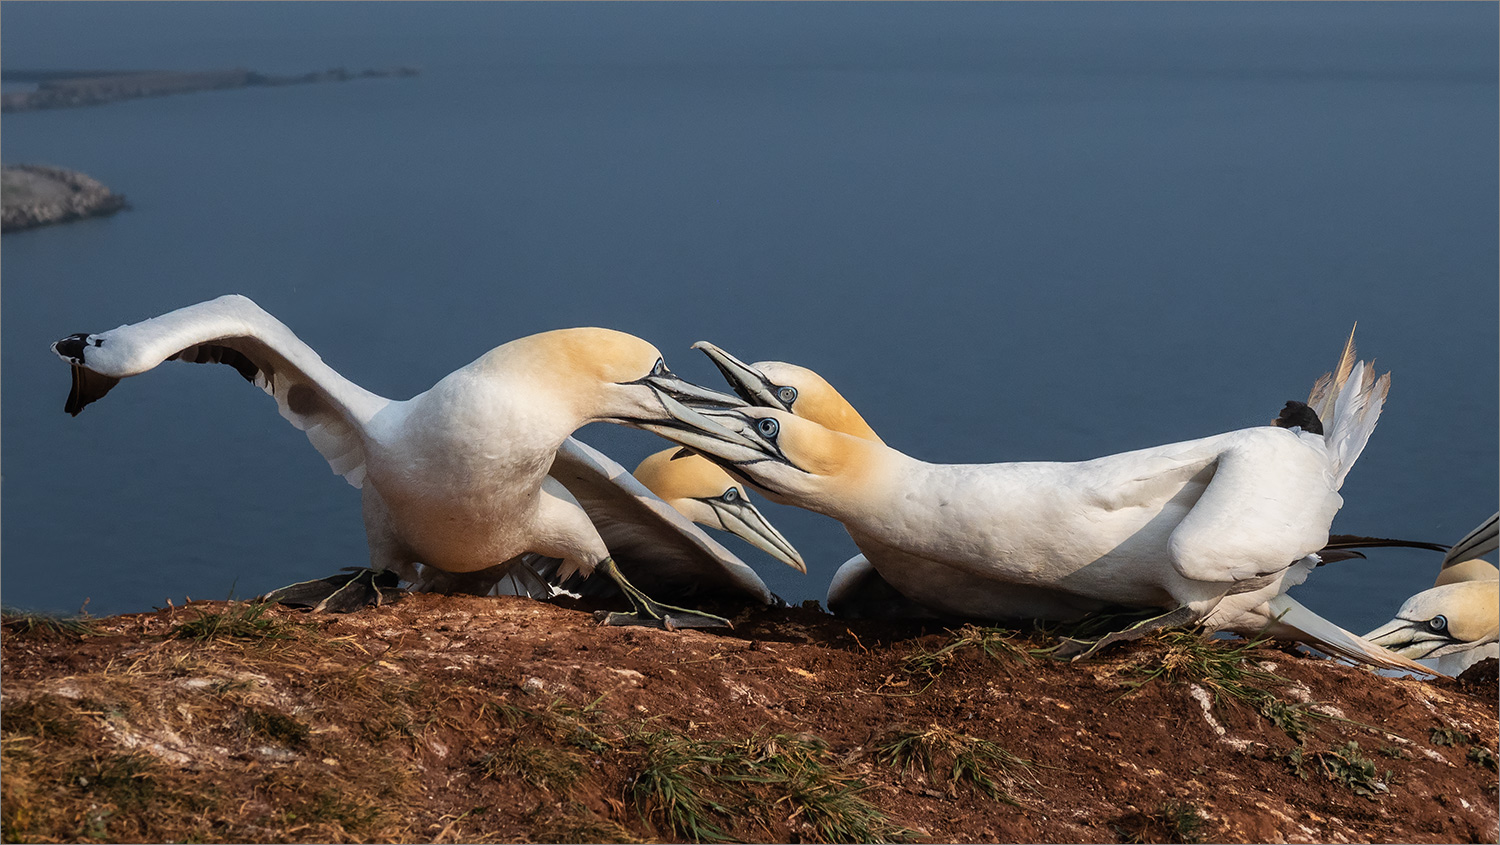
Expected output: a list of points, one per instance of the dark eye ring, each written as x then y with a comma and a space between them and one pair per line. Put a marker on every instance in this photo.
661, 367
730, 496
1438, 623
768, 427
787, 394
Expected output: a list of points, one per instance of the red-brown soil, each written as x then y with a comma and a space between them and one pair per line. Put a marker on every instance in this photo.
453, 719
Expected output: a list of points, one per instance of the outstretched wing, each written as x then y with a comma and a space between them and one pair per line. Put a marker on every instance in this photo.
233, 330
658, 549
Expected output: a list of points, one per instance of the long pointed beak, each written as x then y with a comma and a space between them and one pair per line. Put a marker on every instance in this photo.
682, 390
724, 436
745, 521
1394, 635
751, 384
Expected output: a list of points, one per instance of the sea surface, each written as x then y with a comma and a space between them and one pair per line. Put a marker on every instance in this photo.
1003, 231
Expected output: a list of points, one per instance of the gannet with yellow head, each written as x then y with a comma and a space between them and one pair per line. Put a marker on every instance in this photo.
1213, 530
1456, 622
456, 478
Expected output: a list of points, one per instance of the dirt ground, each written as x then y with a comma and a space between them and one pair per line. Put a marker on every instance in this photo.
465, 719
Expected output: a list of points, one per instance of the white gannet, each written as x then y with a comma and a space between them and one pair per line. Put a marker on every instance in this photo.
1456, 622
455, 478
646, 520
1213, 530
856, 590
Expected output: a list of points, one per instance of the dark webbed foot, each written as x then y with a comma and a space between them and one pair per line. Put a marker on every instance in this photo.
1083, 649
353, 589
652, 613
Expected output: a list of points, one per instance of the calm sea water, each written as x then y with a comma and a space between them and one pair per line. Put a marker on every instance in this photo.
1005, 232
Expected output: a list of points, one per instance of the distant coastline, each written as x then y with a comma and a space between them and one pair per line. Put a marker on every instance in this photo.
58, 89
34, 196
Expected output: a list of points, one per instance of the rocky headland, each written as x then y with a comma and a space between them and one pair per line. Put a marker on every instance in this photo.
68, 89
33, 195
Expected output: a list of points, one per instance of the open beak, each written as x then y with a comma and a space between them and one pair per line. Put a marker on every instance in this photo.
751, 384
745, 521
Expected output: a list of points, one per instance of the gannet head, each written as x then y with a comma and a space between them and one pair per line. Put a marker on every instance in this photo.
603, 375
1443, 620
791, 460
1469, 570
704, 493
788, 387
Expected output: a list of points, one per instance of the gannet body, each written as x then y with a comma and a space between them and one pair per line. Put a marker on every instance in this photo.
1220, 526
1457, 622
646, 520
457, 477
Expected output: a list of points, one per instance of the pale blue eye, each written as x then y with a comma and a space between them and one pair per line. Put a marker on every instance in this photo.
768, 427
787, 395
730, 496
1438, 623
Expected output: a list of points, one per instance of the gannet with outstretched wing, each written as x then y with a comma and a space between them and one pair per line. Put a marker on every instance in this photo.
1213, 530
455, 478
1456, 622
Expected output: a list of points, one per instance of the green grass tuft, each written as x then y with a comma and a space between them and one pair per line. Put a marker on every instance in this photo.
242, 621
979, 763
21, 623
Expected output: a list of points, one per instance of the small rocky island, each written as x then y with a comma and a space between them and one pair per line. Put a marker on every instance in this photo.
70, 88
33, 195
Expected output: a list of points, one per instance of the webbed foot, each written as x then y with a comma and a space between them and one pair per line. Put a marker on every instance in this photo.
651, 613
1075, 650
353, 589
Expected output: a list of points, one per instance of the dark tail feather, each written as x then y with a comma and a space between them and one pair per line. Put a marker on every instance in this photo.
1354, 541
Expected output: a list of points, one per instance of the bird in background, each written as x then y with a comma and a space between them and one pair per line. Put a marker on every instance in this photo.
1212, 530
455, 478
1456, 623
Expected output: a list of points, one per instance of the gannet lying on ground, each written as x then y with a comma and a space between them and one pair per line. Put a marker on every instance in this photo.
1213, 530
1457, 622
647, 522
456, 477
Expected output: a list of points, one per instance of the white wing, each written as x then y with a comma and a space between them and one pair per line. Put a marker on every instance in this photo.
1269, 504
657, 548
233, 330
1480, 541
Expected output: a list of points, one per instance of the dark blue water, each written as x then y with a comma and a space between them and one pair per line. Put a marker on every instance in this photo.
1005, 232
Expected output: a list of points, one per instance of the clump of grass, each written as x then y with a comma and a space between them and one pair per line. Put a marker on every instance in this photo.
998, 644
1227, 671
693, 787
1447, 736
276, 726
22, 623
41, 717
1483, 756
125, 780
545, 768
243, 621
1172, 821
1344, 765
979, 763
557, 719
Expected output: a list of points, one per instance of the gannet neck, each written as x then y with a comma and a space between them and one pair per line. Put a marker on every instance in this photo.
817, 400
